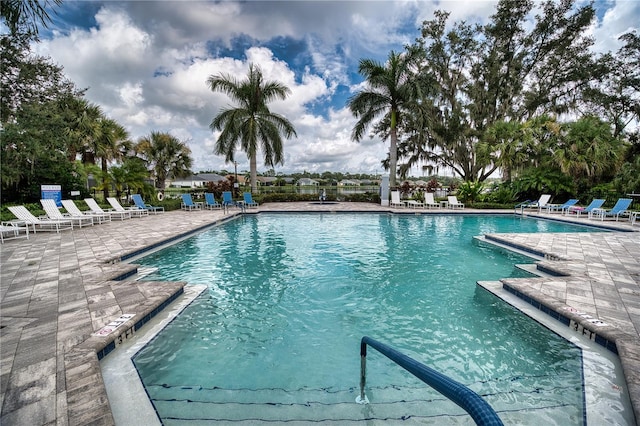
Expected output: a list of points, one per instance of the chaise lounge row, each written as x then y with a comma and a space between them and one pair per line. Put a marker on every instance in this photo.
211, 203
429, 202
55, 220
594, 210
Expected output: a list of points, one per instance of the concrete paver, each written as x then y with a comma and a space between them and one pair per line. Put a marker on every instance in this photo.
58, 290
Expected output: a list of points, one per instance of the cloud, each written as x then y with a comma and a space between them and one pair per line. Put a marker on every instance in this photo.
146, 64
622, 17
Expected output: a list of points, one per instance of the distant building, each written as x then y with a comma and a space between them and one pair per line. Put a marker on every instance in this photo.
266, 180
349, 182
307, 182
197, 181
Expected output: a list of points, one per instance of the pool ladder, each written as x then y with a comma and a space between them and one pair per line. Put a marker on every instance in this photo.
479, 410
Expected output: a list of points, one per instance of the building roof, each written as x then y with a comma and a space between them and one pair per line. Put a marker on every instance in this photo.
211, 177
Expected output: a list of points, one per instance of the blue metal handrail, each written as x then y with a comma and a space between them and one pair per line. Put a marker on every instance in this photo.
468, 400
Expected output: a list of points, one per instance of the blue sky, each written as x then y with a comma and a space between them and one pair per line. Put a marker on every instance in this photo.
146, 64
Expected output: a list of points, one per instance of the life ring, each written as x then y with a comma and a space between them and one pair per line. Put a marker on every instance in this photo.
160, 196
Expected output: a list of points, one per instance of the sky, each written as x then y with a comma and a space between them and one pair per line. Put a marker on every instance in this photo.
145, 63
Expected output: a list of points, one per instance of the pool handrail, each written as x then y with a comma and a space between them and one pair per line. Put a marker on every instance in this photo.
479, 410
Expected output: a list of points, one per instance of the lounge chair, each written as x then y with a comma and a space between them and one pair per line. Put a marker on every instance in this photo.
429, 201
188, 204
596, 203
26, 217
137, 199
210, 201
395, 199
11, 230
540, 204
562, 208
414, 203
95, 208
133, 211
454, 203
248, 200
620, 209
52, 211
73, 210
227, 199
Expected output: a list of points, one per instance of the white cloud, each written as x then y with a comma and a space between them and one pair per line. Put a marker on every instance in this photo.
622, 17
146, 64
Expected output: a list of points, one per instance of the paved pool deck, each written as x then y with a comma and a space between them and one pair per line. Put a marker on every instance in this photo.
59, 297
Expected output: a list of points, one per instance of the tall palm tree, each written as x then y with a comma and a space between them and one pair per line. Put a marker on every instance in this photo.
84, 126
251, 122
109, 144
166, 156
390, 88
96, 137
104, 140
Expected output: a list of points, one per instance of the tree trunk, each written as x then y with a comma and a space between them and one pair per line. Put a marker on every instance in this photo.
254, 174
105, 188
393, 151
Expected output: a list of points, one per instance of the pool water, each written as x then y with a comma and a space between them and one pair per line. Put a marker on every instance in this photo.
276, 337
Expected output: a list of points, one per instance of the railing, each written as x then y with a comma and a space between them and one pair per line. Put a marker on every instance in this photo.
468, 400
521, 206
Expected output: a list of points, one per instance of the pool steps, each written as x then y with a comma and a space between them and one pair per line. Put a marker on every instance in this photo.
408, 404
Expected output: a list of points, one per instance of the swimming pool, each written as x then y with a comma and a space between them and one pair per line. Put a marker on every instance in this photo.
277, 336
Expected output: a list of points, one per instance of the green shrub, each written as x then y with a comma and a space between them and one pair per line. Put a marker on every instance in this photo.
34, 208
469, 192
502, 194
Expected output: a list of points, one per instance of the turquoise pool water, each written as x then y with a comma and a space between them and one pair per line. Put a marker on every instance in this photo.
276, 337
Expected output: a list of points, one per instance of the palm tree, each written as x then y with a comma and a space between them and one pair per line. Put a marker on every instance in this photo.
390, 89
96, 137
26, 14
130, 175
111, 139
166, 155
506, 142
251, 122
588, 149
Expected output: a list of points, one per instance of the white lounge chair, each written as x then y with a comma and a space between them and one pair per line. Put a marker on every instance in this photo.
73, 210
11, 230
95, 208
26, 217
395, 199
454, 203
429, 201
52, 211
540, 204
414, 203
133, 211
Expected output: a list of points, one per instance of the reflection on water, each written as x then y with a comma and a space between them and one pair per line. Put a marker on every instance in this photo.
291, 295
